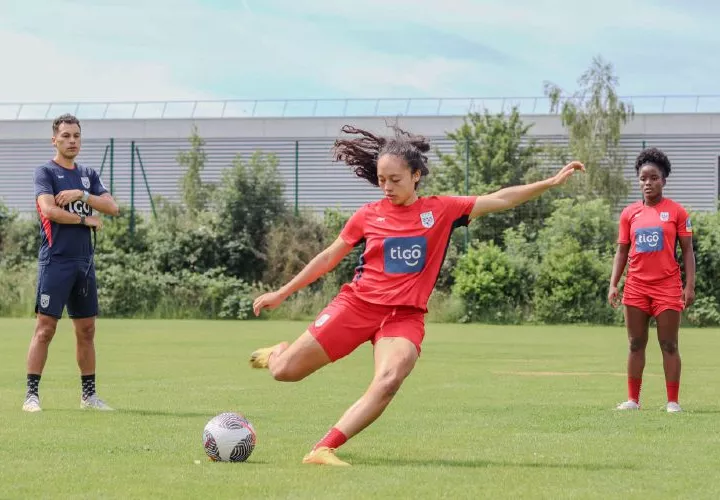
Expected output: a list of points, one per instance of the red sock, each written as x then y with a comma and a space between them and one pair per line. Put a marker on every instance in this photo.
673, 388
333, 439
634, 389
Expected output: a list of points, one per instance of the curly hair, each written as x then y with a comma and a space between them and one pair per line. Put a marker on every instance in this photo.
363, 153
655, 157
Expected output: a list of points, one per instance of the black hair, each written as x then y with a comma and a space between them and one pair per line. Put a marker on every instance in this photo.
66, 118
363, 153
653, 156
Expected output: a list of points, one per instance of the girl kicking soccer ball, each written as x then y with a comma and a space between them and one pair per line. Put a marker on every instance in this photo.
405, 237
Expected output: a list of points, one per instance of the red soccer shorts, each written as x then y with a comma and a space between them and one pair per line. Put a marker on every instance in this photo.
347, 322
653, 298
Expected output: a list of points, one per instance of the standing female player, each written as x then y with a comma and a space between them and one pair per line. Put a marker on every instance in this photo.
649, 231
405, 237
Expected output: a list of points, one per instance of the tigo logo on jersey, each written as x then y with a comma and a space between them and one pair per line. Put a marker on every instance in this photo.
405, 255
649, 239
79, 207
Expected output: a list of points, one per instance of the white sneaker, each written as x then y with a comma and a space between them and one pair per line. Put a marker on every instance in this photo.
94, 403
628, 405
32, 404
673, 407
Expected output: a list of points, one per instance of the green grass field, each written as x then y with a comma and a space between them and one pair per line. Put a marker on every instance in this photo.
490, 412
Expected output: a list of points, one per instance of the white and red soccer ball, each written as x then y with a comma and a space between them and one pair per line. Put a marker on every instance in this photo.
229, 437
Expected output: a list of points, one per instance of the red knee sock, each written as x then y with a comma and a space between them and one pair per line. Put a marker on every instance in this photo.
634, 389
673, 388
333, 439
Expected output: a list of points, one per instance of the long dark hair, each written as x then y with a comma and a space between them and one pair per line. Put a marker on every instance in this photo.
363, 153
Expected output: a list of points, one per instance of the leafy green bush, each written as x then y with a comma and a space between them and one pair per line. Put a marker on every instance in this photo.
291, 244
248, 202
131, 291
489, 285
117, 236
704, 312
706, 227
571, 285
589, 222
334, 221
21, 242
179, 243
18, 290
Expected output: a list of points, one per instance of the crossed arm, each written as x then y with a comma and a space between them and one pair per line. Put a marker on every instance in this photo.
50, 206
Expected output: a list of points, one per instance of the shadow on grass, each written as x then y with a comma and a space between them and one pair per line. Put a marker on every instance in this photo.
248, 463
168, 413
360, 461
144, 413
704, 411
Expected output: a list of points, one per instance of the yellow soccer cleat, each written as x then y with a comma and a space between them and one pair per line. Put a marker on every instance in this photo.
259, 358
324, 456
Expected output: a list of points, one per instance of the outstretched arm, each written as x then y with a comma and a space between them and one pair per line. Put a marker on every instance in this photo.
511, 197
321, 264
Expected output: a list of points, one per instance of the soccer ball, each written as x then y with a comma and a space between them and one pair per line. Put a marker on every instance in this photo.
229, 437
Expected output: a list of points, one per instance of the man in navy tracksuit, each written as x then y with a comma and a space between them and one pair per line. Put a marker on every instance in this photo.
66, 194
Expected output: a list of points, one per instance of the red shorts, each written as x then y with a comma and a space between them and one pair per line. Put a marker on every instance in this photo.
653, 298
347, 322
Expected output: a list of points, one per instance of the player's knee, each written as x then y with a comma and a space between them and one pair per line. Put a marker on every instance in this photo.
637, 344
44, 333
669, 346
85, 333
388, 382
285, 372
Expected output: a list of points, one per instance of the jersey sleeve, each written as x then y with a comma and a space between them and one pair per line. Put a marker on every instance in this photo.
458, 207
684, 226
354, 230
43, 182
96, 185
624, 228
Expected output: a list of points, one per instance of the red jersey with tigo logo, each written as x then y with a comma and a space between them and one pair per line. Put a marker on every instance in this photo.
652, 233
404, 247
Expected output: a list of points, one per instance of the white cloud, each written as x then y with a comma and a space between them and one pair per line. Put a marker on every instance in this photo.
188, 49
42, 70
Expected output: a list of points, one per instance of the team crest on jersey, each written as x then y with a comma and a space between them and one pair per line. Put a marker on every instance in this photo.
44, 300
85, 182
664, 216
427, 219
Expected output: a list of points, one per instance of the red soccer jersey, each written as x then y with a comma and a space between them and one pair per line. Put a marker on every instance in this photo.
404, 247
652, 233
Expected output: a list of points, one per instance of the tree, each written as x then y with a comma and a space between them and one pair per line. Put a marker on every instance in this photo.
492, 152
249, 201
195, 193
594, 116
